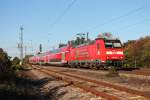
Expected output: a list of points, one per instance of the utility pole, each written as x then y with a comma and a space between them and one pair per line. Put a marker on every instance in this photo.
87, 36
21, 44
40, 48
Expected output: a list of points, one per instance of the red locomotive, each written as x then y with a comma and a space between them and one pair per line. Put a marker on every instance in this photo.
102, 52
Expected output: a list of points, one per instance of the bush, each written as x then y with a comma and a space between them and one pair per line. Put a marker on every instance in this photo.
15, 61
5, 63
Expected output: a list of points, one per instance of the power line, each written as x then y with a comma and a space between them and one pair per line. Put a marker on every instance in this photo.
131, 25
63, 13
122, 16
134, 24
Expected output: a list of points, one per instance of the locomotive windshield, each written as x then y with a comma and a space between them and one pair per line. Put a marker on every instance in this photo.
113, 44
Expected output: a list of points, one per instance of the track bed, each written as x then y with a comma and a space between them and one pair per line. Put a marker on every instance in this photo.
97, 75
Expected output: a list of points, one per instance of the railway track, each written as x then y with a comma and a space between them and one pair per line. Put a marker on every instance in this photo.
110, 91
142, 71
142, 74
78, 84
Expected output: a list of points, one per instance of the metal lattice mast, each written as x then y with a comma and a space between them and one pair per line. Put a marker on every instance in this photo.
21, 43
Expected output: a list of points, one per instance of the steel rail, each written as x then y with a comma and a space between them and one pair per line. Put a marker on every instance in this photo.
117, 87
77, 84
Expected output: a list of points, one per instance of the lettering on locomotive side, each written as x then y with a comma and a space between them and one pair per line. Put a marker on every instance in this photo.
82, 53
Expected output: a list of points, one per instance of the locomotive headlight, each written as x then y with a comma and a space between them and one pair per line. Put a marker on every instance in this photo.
119, 52
108, 52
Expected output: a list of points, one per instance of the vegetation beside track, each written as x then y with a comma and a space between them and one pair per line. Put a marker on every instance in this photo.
12, 85
137, 52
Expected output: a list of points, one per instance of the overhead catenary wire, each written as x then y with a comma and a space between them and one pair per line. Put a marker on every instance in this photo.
63, 13
134, 24
59, 18
121, 16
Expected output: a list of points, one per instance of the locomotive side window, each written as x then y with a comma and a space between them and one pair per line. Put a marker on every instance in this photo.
117, 45
108, 45
113, 44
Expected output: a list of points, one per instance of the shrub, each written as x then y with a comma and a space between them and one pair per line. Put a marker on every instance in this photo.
5, 63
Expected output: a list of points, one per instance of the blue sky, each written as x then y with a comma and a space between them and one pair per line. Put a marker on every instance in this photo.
38, 16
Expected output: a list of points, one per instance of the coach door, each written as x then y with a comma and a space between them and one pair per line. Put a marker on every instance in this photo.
63, 56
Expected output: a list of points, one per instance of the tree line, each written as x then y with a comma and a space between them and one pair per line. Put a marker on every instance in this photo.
7, 65
137, 52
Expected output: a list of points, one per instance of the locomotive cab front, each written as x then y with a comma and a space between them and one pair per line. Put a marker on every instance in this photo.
114, 52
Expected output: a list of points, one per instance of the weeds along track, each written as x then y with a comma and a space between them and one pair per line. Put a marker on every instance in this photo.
106, 90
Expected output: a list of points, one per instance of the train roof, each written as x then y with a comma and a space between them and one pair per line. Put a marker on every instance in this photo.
52, 51
93, 41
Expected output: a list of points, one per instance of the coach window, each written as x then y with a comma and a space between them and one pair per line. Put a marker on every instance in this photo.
98, 46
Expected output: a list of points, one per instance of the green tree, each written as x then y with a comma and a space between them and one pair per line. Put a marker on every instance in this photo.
26, 59
5, 63
15, 61
138, 52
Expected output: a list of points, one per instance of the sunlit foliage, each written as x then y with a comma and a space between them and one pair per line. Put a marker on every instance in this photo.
138, 52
